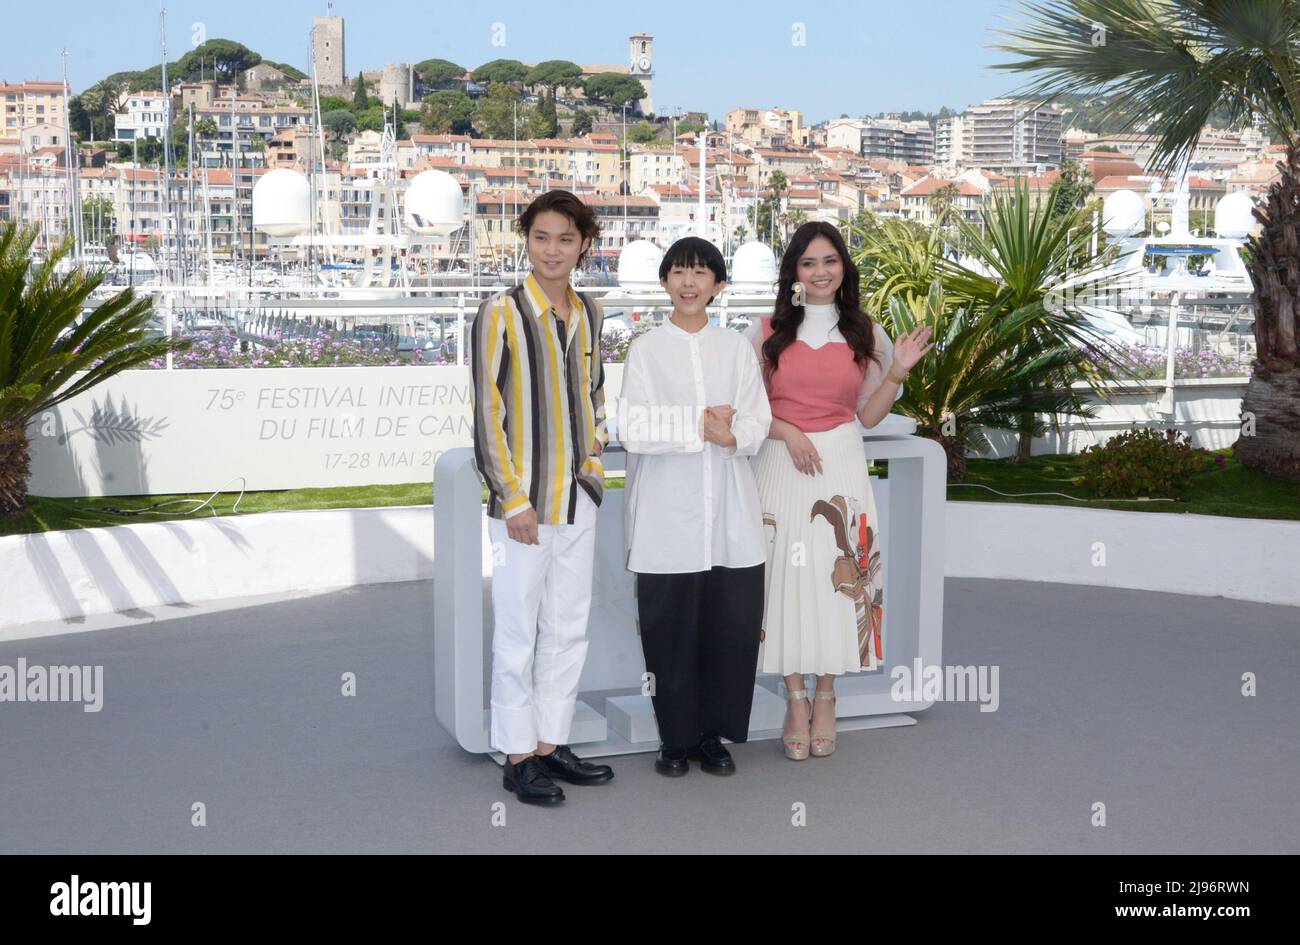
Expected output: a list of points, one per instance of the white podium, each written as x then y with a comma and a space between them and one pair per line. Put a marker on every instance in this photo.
910, 504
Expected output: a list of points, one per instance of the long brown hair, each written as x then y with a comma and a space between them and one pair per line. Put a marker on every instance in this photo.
854, 324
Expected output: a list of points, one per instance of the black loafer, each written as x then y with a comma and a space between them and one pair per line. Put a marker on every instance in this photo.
565, 765
713, 757
672, 762
530, 783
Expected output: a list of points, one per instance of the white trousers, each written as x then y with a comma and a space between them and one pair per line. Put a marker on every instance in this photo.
541, 598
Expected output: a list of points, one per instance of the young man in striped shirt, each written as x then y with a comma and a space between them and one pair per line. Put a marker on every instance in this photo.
539, 430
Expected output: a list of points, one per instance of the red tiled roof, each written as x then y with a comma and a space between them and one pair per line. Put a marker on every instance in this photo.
1032, 181
1121, 181
1111, 165
681, 190
928, 186
602, 200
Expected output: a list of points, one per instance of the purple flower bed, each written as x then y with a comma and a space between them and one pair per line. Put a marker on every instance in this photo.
613, 348
221, 349
1148, 361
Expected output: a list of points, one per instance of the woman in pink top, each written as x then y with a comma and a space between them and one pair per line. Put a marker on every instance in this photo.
827, 367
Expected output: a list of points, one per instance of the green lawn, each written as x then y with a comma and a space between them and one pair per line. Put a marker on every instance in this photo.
48, 514
1230, 490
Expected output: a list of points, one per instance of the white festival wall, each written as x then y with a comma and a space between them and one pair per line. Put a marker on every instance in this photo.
158, 432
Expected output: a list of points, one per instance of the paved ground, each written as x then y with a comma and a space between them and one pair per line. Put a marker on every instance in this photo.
1124, 698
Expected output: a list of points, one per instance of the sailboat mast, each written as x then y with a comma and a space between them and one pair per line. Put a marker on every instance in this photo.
165, 177
70, 155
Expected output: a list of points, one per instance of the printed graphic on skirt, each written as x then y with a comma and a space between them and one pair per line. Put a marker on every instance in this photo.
856, 571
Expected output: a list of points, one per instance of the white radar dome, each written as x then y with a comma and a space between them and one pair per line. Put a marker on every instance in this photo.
1122, 213
1232, 216
282, 203
435, 204
638, 263
754, 266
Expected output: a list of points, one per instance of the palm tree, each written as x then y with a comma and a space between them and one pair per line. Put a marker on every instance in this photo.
943, 200
979, 364
1024, 254
101, 102
48, 353
779, 184
1168, 65
792, 220
1005, 349
895, 256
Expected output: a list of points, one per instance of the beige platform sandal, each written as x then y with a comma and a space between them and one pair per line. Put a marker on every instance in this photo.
824, 750
796, 746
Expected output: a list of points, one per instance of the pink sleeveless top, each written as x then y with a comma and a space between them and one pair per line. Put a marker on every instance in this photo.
814, 388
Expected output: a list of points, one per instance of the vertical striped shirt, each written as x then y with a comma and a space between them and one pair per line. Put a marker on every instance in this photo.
539, 402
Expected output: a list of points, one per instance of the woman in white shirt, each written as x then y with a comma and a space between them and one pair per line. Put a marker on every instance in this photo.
691, 412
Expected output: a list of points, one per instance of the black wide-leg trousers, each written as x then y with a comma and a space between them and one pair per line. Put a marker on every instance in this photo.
700, 635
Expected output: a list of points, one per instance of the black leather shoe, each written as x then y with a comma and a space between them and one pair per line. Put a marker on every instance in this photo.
672, 762
529, 782
565, 765
713, 757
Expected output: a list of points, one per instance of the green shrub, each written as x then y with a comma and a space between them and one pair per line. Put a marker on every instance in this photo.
1144, 462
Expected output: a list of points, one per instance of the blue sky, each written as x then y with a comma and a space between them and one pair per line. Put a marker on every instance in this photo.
859, 58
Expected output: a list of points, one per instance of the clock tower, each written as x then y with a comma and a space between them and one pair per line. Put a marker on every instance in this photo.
641, 66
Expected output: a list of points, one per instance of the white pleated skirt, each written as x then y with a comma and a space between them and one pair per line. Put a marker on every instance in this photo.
824, 593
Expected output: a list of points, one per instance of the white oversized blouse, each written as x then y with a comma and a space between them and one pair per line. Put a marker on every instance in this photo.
691, 505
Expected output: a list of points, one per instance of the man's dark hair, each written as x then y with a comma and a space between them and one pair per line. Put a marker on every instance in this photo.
691, 251
561, 201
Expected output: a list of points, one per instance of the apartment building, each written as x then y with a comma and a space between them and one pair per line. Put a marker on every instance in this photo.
585, 163
920, 201
30, 103
243, 137
1011, 134
1216, 146
909, 141
768, 127
952, 141
649, 165
144, 115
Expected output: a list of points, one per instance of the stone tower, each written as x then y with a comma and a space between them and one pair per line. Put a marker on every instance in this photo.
327, 49
641, 66
396, 83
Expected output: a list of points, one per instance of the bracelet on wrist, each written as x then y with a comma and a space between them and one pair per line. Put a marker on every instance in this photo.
896, 380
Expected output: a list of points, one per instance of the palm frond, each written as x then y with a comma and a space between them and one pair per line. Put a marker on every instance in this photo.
1164, 64
48, 351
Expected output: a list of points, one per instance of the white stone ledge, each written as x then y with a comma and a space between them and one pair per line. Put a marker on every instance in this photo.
71, 581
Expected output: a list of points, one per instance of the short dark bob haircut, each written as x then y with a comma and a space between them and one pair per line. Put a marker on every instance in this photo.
691, 251
561, 201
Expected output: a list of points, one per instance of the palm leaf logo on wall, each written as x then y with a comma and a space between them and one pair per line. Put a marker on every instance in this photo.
107, 425
856, 571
